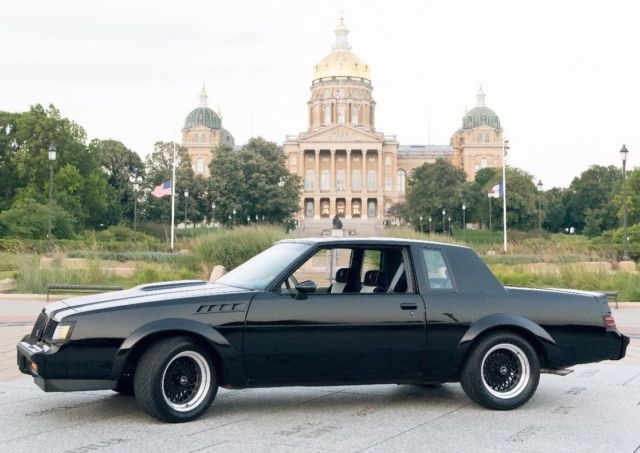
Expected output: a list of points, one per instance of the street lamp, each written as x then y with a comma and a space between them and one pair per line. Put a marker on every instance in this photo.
234, 216
248, 220
443, 213
449, 218
623, 155
430, 219
213, 213
136, 187
539, 209
52, 157
420, 227
186, 195
464, 217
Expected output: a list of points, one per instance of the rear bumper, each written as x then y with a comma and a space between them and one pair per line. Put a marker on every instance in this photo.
33, 359
623, 349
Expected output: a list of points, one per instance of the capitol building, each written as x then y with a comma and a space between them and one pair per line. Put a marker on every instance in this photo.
349, 169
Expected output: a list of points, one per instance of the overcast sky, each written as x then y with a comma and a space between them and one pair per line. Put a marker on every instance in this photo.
563, 76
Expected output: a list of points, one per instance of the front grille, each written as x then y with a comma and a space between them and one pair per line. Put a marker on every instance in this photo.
38, 328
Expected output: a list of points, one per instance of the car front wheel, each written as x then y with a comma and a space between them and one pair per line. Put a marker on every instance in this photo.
502, 372
175, 380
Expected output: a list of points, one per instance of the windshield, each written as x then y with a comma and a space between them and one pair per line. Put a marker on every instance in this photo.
260, 270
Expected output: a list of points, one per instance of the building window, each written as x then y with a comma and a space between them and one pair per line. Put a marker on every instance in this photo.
324, 208
341, 114
484, 163
402, 181
387, 182
356, 182
203, 139
340, 180
371, 208
308, 179
199, 166
324, 180
354, 115
340, 207
309, 208
371, 180
196, 138
486, 138
327, 114
356, 207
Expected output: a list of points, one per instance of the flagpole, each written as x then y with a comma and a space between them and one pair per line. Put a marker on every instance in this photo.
173, 195
505, 145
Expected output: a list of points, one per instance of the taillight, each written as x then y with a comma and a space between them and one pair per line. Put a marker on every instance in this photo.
609, 322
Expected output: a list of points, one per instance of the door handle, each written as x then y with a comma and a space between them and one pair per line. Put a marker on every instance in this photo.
409, 306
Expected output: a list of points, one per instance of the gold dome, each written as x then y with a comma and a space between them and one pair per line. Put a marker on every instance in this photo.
341, 62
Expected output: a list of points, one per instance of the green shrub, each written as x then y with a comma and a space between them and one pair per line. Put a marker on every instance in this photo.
234, 246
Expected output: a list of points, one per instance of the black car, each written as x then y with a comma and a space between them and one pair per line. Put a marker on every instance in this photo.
321, 312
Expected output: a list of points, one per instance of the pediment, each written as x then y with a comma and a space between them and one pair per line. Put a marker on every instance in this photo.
341, 133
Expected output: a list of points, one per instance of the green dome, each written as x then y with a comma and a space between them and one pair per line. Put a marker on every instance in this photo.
202, 116
481, 116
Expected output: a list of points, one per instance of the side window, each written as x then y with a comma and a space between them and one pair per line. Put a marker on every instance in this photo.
437, 272
370, 262
321, 269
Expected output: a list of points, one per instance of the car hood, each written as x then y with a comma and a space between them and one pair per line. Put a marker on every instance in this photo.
142, 294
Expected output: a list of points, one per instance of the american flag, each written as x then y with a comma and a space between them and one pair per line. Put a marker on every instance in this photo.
162, 190
496, 191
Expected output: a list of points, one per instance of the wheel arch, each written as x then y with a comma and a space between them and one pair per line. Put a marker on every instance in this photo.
543, 343
221, 351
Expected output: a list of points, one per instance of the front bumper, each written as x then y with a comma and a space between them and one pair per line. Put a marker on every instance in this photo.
32, 360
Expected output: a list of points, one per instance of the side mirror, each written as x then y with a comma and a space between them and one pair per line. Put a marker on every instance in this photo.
304, 288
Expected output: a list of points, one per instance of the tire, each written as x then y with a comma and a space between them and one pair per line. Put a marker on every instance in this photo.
175, 380
502, 372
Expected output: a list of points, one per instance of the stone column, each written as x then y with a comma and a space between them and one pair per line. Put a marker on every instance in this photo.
380, 173
316, 207
347, 207
316, 182
332, 177
347, 182
363, 173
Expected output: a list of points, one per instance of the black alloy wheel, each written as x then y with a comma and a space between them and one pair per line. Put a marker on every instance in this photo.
175, 380
502, 372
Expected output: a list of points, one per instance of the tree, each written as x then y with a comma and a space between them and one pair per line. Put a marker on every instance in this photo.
555, 213
432, 187
158, 169
476, 196
522, 207
594, 189
30, 219
254, 181
121, 166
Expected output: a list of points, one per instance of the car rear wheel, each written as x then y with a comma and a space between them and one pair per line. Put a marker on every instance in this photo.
175, 380
502, 372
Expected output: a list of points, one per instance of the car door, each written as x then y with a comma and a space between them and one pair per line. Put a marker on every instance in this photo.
336, 337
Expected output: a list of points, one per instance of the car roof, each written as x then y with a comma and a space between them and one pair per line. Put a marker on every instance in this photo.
367, 241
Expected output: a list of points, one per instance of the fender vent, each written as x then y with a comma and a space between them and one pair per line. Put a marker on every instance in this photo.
221, 308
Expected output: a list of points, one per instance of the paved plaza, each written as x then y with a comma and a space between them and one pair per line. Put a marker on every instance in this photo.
596, 408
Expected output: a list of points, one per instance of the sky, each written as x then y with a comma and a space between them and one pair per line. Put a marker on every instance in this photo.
563, 76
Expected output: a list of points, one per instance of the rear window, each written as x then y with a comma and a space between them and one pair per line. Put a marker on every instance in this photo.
438, 274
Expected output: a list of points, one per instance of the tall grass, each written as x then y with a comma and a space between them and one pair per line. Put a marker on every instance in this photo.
231, 248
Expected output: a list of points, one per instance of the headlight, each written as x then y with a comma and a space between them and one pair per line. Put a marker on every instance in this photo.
62, 332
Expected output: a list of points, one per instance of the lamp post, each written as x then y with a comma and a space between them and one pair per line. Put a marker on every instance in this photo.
420, 227
539, 209
443, 213
234, 216
52, 157
248, 220
213, 213
430, 219
186, 196
505, 147
464, 217
623, 155
136, 187
449, 219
